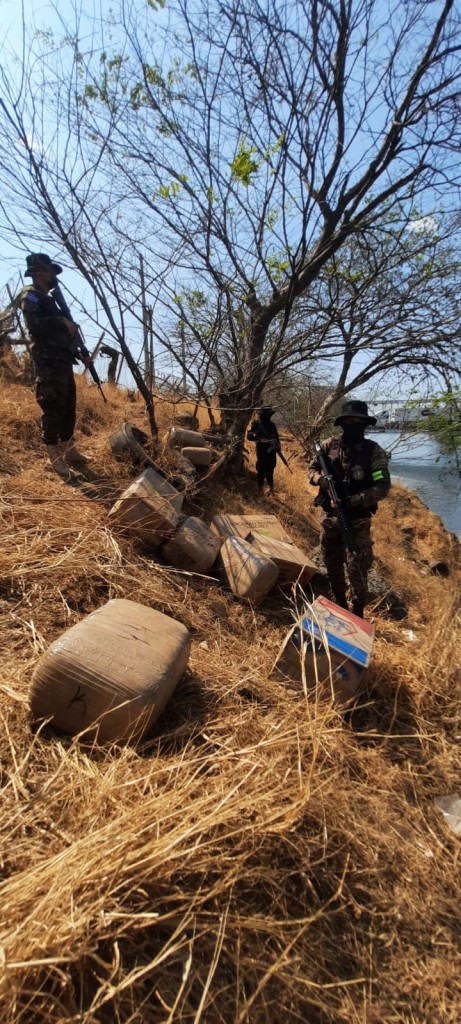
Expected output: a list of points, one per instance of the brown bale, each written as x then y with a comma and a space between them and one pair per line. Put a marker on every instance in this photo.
193, 547
141, 510
198, 456
250, 575
178, 438
112, 674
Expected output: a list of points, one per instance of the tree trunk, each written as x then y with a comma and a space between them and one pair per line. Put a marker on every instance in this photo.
238, 405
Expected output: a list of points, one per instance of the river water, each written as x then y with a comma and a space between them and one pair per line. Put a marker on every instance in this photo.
418, 463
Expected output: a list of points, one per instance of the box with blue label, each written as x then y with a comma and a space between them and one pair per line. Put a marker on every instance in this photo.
329, 648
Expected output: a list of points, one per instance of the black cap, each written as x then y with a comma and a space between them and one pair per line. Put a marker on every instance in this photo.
40, 261
355, 408
267, 411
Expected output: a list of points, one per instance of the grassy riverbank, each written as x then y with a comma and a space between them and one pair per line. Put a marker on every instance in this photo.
261, 859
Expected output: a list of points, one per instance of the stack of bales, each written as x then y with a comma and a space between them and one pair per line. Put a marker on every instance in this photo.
255, 552
192, 445
150, 509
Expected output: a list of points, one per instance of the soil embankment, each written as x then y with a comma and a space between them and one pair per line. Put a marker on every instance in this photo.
261, 859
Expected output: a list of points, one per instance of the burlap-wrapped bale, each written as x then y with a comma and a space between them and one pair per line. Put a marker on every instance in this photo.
178, 437
111, 675
250, 575
193, 547
164, 488
143, 511
198, 456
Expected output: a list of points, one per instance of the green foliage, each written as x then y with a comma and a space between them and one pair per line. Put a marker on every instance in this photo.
153, 76
137, 96
169, 191
156, 5
277, 267
244, 164
195, 298
192, 71
273, 150
103, 90
90, 92
444, 420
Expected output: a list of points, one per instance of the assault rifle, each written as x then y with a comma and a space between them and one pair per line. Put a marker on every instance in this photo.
78, 344
274, 446
338, 498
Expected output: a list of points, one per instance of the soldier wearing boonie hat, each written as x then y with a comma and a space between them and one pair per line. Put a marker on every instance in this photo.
53, 348
363, 466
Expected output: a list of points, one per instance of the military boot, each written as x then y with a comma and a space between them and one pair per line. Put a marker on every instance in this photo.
358, 608
72, 455
57, 462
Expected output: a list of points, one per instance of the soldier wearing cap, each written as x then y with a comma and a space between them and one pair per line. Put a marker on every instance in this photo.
363, 466
266, 435
54, 343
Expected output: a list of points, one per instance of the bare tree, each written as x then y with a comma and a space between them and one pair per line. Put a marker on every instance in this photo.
276, 133
390, 309
242, 148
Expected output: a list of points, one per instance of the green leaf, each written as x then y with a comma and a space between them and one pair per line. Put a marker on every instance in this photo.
243, 164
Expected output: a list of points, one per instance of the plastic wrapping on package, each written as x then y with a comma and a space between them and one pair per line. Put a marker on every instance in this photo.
112, 674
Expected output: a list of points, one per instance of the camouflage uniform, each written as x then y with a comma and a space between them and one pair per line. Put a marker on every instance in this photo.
266, 435
53, 362
365, 473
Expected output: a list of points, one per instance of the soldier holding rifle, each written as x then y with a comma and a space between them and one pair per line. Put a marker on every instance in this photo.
353, 476
266, 435
56, 344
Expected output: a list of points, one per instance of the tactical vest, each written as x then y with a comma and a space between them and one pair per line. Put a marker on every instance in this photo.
46, 344
356, 469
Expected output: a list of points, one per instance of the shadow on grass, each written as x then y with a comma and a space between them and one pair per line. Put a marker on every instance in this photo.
385, 716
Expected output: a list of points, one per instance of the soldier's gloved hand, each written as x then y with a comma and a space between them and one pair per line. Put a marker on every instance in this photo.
323, 485
356, 500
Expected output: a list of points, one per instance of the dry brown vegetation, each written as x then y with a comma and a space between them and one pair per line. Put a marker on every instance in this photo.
261, 858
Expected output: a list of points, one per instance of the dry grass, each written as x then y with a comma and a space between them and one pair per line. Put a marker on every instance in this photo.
261, 859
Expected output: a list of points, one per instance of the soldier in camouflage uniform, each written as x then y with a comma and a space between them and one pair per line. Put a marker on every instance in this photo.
363, 466
54, 344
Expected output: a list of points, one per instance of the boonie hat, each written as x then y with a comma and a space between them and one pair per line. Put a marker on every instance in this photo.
267, 411
355, 408
40, 261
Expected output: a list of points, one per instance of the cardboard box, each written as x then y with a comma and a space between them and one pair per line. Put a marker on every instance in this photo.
241, 526
269, 538
164, 488
292, 562
143, 511
335, 646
